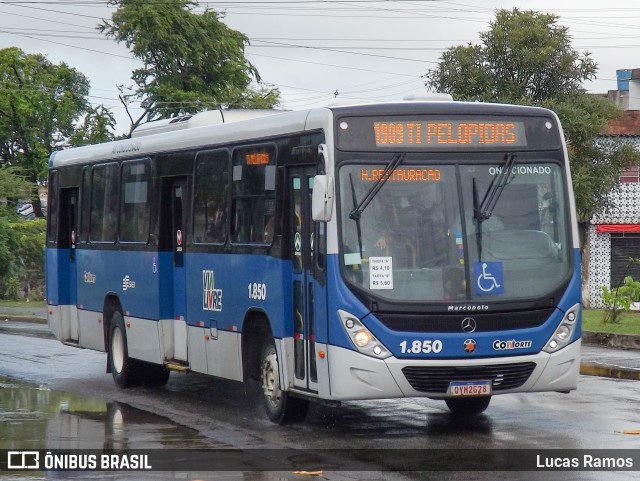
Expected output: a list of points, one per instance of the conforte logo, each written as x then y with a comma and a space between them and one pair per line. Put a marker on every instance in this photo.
512, 344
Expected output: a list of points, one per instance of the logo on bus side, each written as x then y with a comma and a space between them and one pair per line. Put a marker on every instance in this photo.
126, 148
211, 297
89, 277
127, 283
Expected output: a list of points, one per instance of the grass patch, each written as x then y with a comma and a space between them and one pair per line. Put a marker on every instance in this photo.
27, 305
629, 323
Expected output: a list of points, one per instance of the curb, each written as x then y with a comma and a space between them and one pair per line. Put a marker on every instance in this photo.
600, 370
29, 319
616, 341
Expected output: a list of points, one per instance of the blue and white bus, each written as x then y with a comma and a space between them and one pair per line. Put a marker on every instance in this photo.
416, 248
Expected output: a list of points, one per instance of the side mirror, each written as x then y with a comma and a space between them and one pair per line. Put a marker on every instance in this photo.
322, 198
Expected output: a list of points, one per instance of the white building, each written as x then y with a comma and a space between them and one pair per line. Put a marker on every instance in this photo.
614, 237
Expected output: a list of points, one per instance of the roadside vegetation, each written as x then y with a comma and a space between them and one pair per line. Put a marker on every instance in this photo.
191, 62
628, 322
21, 304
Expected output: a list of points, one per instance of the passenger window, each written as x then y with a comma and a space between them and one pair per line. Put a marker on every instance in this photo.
104, 203
54, 193
254, 183
134, 208
210, 203
85, 204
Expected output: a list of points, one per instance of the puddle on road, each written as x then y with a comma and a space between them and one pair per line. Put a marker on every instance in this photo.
36, 417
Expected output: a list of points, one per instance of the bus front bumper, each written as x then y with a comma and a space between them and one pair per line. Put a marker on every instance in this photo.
355, 376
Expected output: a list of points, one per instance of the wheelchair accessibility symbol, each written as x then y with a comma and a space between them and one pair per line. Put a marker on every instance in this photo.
489, 278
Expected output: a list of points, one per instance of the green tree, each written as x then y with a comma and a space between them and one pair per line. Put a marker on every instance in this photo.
22, 257
526, 57
191, 61
260, 98
39, 106
98, 126
596, 163
12, 185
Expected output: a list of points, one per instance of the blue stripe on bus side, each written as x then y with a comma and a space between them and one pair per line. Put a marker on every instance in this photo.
57, 277
144, 283
223, 288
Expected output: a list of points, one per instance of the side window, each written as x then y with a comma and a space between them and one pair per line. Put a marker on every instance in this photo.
104, 203
85, 204
134, 206
210, 202
253, 195
53, 202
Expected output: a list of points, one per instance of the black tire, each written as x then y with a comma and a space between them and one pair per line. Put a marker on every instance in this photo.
125, 371
155, 374
468, 406
280, 406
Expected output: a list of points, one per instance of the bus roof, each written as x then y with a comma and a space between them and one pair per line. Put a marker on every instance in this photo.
216, 127
212, 131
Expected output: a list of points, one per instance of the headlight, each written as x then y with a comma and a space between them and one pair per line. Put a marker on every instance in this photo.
363, 340
565, 330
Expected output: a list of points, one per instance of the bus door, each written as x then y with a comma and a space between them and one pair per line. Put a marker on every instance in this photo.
308, 299
67, 237
178, 215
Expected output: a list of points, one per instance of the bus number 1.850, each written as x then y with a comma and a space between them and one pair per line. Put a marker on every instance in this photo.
421, 347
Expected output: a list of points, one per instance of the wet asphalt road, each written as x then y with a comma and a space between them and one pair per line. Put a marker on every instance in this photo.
54, 396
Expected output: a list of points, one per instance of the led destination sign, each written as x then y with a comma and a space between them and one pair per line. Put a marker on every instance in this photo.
449, 133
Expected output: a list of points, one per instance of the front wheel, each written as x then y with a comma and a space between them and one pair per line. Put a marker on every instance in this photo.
280, 406
468, 406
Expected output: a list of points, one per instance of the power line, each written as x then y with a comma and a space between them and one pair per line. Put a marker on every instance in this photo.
75, 14
52, 35
351, 53
72, 46
327, 64
58, 22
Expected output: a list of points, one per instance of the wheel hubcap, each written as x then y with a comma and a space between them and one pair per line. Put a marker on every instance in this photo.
117, 350
271, 380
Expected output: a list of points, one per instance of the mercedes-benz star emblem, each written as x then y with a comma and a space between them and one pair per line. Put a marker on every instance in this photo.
468, 324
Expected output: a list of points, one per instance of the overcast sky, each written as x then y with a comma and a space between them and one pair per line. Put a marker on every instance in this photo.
318, 52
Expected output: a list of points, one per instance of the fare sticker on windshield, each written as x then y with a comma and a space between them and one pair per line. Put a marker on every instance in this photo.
380, 273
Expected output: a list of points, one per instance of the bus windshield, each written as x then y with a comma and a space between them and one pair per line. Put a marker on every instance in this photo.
421, 237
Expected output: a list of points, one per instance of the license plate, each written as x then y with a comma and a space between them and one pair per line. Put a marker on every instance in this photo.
469, 388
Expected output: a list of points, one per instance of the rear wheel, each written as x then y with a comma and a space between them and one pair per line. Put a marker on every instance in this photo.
125, 371
468, 406
280, 406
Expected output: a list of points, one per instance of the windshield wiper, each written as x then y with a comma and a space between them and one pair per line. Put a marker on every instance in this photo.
498, 183
393, 164
357, 219
483, 210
